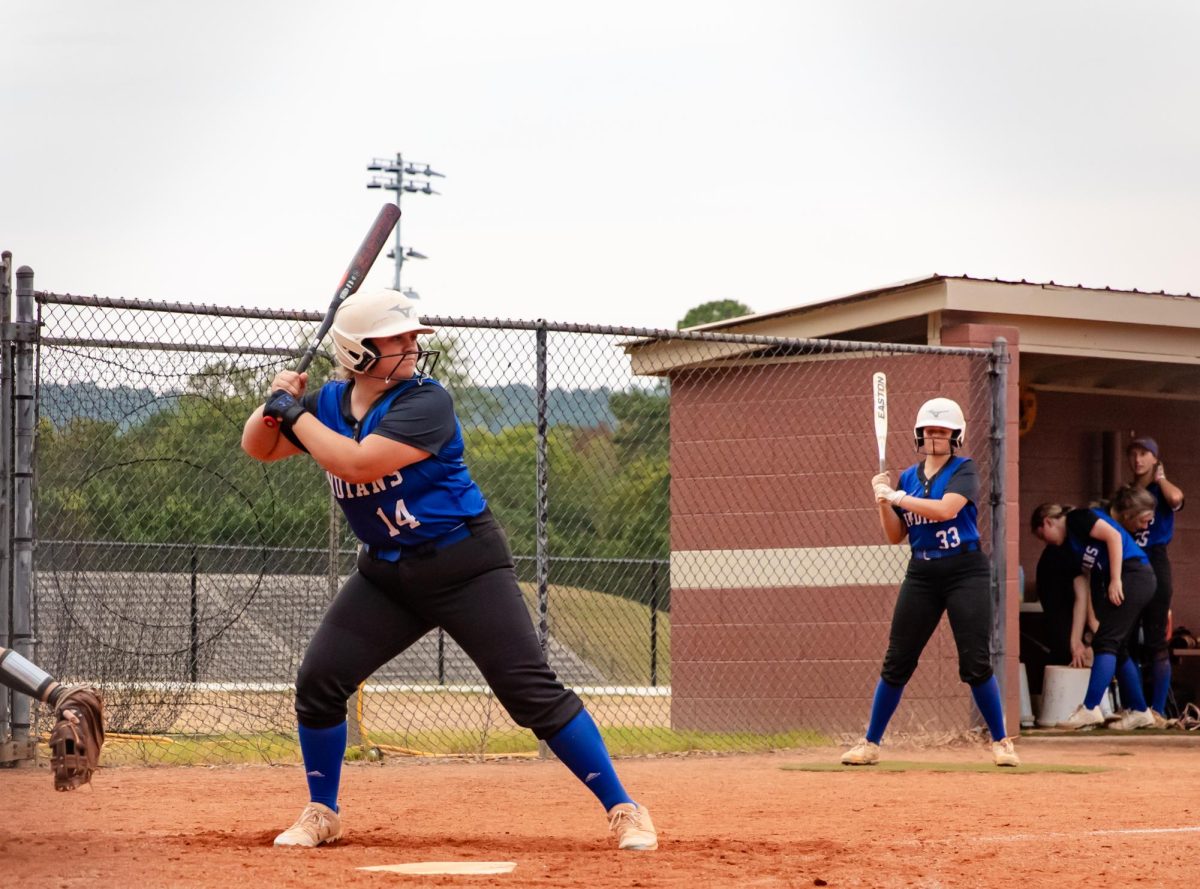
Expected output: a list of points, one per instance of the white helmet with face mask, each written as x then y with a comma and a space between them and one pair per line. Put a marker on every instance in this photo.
365, 317
944, 413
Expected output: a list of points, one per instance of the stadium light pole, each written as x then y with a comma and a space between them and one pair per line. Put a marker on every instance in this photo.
400, 176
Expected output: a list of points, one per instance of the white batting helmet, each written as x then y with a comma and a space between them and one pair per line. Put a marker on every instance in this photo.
941, 412
364, 316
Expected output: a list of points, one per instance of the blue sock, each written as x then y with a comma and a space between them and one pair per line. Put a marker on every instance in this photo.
323, 749
987, 699
887, 698
1103, 668
1162, 684
1129, 680
579, 745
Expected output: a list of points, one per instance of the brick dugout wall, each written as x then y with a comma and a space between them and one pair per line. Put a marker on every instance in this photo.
782, 584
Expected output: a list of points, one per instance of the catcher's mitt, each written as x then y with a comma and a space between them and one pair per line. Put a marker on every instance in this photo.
77, 736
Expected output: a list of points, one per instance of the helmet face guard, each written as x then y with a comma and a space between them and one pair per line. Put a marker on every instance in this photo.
381, 367
942, 413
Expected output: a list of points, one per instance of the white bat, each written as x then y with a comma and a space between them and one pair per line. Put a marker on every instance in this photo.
879, 396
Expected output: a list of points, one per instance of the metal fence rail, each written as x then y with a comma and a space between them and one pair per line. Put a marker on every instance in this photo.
688, 512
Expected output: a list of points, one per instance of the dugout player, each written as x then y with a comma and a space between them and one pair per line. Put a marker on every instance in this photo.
1149, 473
935, 505
1099, 541
431, 555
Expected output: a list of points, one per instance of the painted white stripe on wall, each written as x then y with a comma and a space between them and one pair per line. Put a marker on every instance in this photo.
817, 566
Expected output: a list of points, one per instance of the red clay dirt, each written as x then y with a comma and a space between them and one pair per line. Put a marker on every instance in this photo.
723, 821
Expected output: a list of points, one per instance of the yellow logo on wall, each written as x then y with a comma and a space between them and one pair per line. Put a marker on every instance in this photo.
1028, 402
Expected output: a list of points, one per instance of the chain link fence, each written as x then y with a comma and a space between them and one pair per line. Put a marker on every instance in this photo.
690, 514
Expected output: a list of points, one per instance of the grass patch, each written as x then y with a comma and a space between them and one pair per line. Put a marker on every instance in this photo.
190, 750
610, 632
620, 741
195, 750
907, 766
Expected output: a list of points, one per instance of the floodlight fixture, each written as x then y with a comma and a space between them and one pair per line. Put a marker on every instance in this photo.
400, 176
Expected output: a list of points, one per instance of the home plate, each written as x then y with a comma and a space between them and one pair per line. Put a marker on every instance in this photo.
446, 867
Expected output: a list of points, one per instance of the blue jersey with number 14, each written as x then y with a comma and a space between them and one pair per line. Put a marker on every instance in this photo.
419, 503
926, 535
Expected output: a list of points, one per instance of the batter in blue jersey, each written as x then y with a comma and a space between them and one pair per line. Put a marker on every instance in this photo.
432, 556
935, 507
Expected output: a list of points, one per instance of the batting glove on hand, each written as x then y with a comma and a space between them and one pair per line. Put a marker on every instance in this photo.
881, 479
284, 407
888, 494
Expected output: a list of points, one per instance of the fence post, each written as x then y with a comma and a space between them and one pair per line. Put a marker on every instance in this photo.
998, 373
542, 569
194, 624
654, 622
24, 425
6, 483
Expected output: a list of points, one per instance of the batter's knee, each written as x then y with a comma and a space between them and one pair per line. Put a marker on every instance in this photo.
1159, 651
898, 668
975, 665
975, 676
545, 715
320, 697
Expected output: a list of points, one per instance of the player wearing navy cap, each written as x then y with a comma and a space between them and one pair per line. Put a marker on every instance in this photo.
1116, 577
1148, 471
432, 555
935, 506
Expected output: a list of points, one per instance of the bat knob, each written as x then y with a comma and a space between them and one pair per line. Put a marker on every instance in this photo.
270, 422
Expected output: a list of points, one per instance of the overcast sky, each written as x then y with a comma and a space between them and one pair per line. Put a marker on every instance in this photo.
615, 162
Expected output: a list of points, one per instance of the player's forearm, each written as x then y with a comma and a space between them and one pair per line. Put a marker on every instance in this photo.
334, 452
1171, 493
263, 442
1115, 554
1079, 609
24, 676
934, 510
893, 528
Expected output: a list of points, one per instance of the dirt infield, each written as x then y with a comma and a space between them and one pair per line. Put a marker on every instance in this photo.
723, 821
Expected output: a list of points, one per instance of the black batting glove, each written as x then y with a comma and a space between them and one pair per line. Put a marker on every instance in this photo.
284, 407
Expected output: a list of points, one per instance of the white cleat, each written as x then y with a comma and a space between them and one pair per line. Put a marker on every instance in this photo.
1133, 719
864, 753
633, 827
317, 824
1082, 718
1004, 753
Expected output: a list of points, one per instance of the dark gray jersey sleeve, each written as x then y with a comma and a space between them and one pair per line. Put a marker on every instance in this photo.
965, 481
422, 417
1080, 523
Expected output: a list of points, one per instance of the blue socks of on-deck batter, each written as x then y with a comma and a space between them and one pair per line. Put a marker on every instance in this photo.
987, 699
323, 749
579, 745
1104, 667
887, 698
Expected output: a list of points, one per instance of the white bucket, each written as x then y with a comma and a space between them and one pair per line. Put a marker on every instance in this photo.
1026, 707
1063, 689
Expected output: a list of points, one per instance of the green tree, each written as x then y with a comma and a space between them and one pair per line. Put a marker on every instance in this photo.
716, 310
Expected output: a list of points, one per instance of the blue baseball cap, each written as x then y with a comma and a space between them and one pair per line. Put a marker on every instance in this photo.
1146, 443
